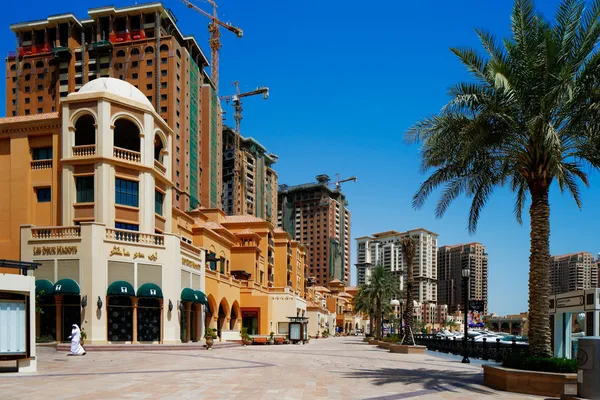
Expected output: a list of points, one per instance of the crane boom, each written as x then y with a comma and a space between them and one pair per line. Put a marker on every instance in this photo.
215, 34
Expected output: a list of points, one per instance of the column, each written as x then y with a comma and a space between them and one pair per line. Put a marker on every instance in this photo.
127, 28
596, 324
142, 28
188, 314
197, 322
134, 304
58, 299
162, 320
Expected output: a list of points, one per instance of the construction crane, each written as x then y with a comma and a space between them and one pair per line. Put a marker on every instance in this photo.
215, 34
338, 182
236, 101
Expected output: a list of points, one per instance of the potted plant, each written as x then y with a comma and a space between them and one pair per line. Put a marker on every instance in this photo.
83, 336
245, 337
317, 336
271, 338
210, 335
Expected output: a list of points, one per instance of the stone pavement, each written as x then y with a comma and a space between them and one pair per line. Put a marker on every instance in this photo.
333, 368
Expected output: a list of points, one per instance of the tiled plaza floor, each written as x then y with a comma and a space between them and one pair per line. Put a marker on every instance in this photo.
333, 368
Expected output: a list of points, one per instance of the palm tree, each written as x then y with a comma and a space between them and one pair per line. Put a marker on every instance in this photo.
527, 119
383, 285
363, 304
409, 248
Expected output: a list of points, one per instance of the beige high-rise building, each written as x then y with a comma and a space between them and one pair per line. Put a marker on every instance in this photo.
575, 271
451, 260
256, 192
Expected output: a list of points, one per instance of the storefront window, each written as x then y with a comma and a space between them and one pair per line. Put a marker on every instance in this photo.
577, 331
120, 319
148, 320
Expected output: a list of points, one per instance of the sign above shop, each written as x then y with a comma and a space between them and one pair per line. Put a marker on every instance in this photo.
55, 251
190, 263
122, 251
573, 301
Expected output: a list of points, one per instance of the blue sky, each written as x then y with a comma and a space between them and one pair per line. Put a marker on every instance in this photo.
347, 78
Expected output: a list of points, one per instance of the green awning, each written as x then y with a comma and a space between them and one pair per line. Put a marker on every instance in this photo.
151, 290
44, 285
192, 295
120, 288
66, 286
202, 297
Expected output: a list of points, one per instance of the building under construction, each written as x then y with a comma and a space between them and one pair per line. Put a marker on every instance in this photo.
142, 45
316, 215
256, 192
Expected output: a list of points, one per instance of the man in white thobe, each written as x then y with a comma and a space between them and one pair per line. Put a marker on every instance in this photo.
76, 348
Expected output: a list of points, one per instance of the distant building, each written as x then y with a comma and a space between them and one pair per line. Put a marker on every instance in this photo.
316, 215
256, 192
451, 260
385, 249
515, 324
575, 271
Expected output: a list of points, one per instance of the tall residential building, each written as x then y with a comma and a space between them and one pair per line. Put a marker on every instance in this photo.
140, 44
451, 260
385, 248
256, 193
316, 215
363, 260
575, 271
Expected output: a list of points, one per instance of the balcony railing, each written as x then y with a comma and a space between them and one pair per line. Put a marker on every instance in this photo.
271, 260
271, 243
84, 151
271, 278
56, 232
159, 167
41, 164
122, 235
127, 155
290, 267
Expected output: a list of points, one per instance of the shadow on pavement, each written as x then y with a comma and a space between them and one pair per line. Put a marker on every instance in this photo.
431, 379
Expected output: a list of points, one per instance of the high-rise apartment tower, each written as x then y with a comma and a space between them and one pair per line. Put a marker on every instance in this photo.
451, 261
575, 271
316, 215
142, 45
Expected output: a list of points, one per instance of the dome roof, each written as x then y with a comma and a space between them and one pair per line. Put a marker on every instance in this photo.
116, 87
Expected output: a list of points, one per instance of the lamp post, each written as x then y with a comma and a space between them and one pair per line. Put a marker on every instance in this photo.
401, 316
465, 276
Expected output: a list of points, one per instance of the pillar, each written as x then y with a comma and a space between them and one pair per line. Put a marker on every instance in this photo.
58, 300
37, 323
197, 322
188, 314
128, 27
134, 304
162, 321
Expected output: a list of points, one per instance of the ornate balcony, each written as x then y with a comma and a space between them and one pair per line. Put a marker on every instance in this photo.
56, 232
122, 235
84, 151
41, 164
159, 167
127, 155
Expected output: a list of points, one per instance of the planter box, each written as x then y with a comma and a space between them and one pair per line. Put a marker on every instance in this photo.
529, 382
406, 349
383, 345
366, 340
373, 341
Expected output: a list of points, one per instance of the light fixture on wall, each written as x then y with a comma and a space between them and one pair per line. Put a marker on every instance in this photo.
181, 306
99, 303
170, 305
84, 302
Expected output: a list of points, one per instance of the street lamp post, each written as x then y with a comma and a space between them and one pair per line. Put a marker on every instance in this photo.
401, 316
465, 276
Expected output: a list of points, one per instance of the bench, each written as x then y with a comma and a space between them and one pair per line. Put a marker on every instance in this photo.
279, 340
259, 340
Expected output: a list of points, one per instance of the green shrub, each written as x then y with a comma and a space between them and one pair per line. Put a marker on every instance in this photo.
391, 338
559, 365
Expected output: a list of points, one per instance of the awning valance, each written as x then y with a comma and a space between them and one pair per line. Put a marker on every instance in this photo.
120, 288
66, 286
44, 287
191, 295
150, 290
202, 297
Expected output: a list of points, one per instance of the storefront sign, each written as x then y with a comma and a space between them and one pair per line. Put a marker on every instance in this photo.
121, 251
190, 263
569, 302
117, 251
55, 251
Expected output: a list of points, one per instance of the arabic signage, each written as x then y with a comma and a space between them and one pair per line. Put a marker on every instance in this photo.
122, 251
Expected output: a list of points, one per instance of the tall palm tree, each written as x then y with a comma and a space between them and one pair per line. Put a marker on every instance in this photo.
409, 247
382, 287
528, 118
363, 304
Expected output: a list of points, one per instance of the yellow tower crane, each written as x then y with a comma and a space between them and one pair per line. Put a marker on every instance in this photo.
215, 34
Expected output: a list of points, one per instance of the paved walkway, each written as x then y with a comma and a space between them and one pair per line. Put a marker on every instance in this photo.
333, 368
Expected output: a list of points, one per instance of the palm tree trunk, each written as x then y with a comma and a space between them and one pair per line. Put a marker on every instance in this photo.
408, 316
539, 262
379, 333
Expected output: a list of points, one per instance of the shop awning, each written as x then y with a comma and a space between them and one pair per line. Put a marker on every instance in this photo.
151, 290
188, 294
66, 286
45, 286
202, 297
120, 288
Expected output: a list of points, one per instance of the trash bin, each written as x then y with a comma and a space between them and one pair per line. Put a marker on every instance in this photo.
588, 360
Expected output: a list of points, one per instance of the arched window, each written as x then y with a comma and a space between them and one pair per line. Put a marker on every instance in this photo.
149, 50
159, 146
178, 53
127, 135
26, 66
39, 64
135, 52
121, 53
13, 67
163, 48
85, 132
